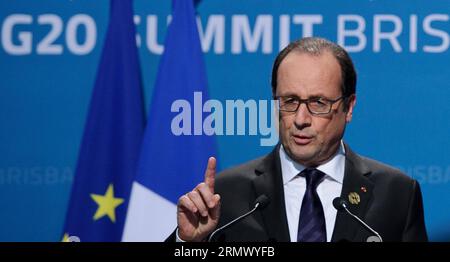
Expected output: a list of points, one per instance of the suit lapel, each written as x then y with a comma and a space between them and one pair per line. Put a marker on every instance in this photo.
357, 190
268, 181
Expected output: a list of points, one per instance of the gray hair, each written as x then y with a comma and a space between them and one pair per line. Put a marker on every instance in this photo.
316, 46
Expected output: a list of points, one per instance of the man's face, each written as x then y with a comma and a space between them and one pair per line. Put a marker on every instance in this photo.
312, 139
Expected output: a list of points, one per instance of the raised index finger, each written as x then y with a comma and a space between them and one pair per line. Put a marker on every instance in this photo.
210, 173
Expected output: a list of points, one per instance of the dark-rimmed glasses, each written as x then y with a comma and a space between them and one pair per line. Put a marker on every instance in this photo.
315, 105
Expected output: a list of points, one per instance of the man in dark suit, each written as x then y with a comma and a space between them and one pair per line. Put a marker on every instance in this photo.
314, 81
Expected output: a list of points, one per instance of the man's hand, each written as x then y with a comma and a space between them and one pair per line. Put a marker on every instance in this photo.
198, 211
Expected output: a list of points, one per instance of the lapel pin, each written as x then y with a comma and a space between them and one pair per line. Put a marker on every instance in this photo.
364, 189
354, 198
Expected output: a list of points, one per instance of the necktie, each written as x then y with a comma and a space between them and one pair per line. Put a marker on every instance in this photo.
311, 226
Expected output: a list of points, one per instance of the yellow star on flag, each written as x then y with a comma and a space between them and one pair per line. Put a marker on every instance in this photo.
106, 204
65, 238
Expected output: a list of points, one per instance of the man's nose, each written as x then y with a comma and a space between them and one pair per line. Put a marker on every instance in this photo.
302, 117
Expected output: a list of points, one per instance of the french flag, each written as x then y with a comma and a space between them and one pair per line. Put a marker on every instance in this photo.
170, 165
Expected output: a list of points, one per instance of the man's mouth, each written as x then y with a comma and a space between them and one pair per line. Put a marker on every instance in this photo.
302, 139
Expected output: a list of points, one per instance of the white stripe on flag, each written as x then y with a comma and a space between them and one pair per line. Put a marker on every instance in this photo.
150, 217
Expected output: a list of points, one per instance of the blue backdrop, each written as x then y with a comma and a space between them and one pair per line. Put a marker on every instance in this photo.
49, 53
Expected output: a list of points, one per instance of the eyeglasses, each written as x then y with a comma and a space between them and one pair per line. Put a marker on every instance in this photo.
315, 105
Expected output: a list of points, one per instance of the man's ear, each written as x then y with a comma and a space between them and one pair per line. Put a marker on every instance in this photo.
351, 102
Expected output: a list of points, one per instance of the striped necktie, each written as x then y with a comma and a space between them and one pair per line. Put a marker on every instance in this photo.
311, 225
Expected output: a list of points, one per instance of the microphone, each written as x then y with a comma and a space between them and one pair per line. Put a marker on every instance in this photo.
261, 202
341, 205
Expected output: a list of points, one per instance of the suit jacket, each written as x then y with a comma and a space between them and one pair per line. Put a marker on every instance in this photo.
389, 201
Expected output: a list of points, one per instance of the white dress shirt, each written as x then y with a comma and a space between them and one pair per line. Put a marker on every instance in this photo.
328, 189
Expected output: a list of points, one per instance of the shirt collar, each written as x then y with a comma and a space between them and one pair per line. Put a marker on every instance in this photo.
334, 168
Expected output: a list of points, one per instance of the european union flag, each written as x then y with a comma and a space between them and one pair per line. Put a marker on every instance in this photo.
171, 163
112, 137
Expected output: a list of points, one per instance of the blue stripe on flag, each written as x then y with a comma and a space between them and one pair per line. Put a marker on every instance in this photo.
172, 165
